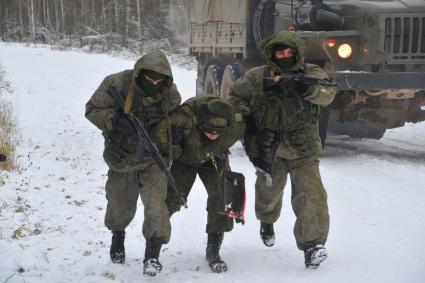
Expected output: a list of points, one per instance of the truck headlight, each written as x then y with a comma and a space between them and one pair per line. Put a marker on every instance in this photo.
345, 50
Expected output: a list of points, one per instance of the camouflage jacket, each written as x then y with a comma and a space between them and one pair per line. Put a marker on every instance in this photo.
197, 149
296, 131
120, 149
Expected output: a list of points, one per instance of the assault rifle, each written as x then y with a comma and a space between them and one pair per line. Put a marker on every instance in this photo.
146, 144
288, 83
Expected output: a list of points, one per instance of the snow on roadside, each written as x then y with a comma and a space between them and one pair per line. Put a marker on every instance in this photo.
51, 214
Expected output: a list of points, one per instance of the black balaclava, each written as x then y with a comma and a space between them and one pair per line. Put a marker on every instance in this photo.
146, 85
283, 63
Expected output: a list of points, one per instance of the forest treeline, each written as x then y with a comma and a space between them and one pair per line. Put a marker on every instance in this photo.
97, 24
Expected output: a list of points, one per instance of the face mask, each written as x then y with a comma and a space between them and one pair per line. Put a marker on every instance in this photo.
151, 82
285, 63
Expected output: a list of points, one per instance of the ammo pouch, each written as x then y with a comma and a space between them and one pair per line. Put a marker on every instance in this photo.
231, 195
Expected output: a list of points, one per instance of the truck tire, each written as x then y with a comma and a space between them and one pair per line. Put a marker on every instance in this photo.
263, 20
356, 129
365, 132
231, 73
212, 81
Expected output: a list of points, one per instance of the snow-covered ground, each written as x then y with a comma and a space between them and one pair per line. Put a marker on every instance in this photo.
51, 213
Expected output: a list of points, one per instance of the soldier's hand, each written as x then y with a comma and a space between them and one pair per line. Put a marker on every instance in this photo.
121, 123
267, 138
267, 141
177, 135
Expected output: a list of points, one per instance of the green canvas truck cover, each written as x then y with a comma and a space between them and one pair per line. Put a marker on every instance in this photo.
230, 11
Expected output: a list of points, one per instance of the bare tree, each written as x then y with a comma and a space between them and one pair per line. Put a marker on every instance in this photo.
128, 23
31, 18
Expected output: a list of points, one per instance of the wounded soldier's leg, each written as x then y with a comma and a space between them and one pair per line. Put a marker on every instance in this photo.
217, 222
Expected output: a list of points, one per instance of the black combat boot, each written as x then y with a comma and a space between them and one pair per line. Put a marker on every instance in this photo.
314, 256
117, 250
212, 254
267, 234
151, 264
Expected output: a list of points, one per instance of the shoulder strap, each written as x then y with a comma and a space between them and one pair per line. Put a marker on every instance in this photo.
129, 100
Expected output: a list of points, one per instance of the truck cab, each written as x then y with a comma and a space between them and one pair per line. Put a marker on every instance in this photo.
374, 50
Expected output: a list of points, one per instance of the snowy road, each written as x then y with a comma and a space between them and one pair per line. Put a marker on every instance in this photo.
51, 214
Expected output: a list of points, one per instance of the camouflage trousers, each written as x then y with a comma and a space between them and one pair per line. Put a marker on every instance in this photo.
122, 193
185, 176
308, 198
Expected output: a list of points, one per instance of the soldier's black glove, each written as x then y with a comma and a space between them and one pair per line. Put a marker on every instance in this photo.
267, 139
267, 142
121, 123
177, 135
3, 157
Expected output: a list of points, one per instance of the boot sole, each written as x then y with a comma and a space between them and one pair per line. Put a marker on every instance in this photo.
317, 259
268, 242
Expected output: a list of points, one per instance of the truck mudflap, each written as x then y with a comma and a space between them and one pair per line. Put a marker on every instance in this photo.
368, 80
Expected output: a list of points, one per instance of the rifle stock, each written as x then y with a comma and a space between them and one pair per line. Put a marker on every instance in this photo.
146, 144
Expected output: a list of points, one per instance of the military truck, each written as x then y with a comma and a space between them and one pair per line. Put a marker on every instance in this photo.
374, 50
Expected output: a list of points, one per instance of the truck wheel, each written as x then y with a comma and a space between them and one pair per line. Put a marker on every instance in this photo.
231, 73
263, 24
371, 133
356, 129
212, 82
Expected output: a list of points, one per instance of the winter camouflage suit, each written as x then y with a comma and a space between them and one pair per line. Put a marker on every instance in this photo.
127, 177
296, 146
200, 155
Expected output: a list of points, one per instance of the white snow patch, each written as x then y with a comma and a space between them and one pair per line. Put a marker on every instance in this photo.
51, 213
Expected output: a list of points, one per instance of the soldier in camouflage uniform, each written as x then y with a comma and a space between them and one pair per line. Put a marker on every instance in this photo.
150, 94
281, 138
203, 130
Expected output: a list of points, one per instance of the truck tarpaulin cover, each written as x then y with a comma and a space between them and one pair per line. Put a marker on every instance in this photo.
230, 11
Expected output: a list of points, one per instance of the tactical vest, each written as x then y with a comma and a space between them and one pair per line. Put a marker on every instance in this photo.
281, 113
120, 148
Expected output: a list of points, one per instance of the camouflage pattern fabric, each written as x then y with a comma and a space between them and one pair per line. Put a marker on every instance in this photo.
185, 177
296, 147
197, 156
149, 108
122, 193
308, 198
128, 178
197, 149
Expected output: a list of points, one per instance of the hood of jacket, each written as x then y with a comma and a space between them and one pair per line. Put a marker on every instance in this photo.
288, 38
155, 61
